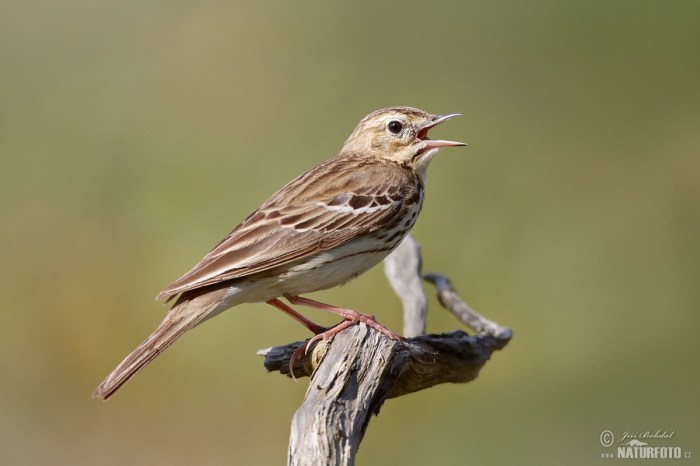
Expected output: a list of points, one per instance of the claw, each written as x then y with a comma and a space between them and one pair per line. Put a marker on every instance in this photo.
327, 335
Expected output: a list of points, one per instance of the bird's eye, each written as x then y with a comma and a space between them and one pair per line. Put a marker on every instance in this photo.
394, 126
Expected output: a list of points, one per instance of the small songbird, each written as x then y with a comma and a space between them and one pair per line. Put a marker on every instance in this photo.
324, 228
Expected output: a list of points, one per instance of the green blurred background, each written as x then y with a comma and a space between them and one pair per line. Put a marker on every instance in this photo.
135, 135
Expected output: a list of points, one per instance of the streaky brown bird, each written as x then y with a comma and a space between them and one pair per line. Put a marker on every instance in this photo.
322, 229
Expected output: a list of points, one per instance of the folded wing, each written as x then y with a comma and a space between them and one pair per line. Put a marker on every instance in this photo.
319, 210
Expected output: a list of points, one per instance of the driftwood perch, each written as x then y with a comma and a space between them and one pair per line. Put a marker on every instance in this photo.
352, 375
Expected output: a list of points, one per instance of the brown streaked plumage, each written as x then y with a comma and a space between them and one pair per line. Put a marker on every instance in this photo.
296, 222
324, 228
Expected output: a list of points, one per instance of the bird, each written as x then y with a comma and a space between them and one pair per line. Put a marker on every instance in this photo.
321, 230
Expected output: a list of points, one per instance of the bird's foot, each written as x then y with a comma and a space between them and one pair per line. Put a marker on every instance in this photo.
347, 314
327, 335
324, 333
351, 317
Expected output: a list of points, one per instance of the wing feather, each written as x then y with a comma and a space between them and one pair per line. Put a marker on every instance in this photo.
323, 208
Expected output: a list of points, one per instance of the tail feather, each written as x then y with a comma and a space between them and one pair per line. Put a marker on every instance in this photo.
185, 314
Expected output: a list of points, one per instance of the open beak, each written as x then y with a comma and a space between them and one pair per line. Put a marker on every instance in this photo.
437, 143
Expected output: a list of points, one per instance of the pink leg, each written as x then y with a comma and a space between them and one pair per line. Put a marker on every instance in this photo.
348, 314
315, 328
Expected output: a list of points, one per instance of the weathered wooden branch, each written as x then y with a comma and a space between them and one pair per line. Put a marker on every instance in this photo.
403, 270
353, 375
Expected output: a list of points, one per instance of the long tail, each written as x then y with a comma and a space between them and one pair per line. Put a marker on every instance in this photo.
185, 314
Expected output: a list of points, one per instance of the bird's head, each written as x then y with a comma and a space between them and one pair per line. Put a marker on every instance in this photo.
399, 134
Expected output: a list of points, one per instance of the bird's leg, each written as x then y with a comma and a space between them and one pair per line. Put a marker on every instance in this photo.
313, 327
347, 314
320, 331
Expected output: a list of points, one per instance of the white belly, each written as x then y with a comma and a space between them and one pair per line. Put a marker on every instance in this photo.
331, 268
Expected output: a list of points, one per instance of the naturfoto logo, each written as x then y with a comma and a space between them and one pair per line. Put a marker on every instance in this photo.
636, 445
